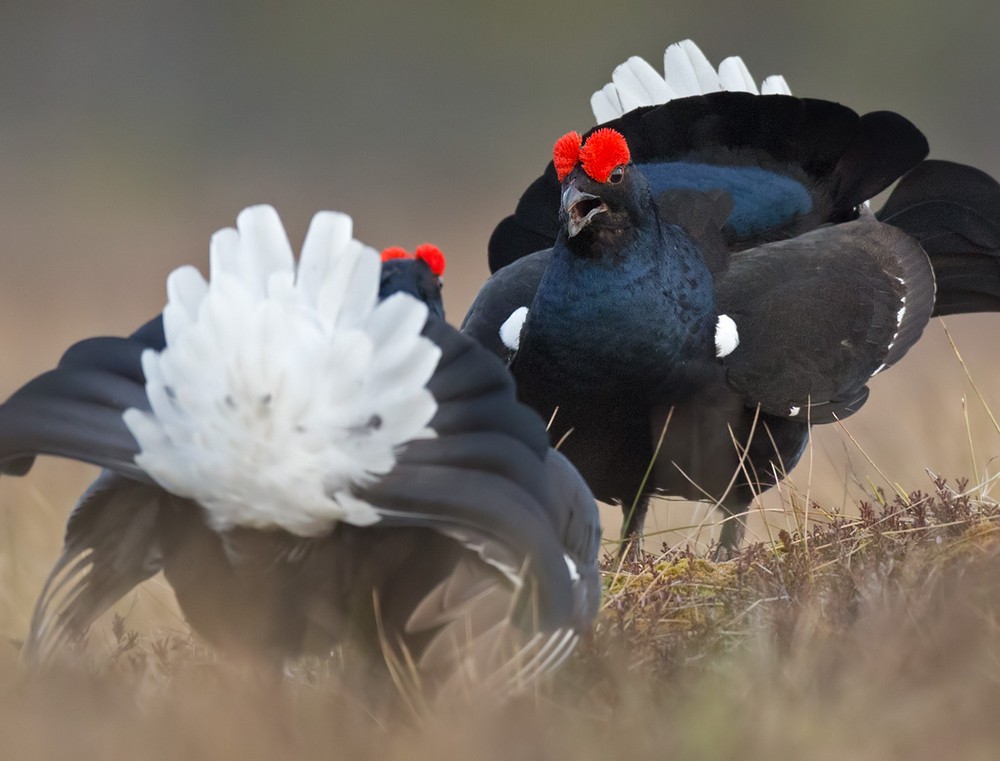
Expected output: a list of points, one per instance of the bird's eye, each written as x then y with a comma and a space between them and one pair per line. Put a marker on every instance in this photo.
616, 175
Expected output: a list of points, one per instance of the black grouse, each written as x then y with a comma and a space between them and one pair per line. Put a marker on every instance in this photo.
309, 464
689, 287
418, 274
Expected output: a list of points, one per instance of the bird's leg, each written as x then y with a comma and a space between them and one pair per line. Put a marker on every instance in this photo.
634, 518
731, 536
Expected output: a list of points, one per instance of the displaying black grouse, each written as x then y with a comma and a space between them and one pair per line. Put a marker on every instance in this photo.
707, 272
310, 464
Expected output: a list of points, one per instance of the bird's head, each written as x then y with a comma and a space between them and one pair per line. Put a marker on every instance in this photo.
418, 274
602, 191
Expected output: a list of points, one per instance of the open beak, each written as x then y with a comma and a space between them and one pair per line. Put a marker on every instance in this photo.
579, 208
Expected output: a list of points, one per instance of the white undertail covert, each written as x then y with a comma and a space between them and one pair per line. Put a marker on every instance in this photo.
283, 385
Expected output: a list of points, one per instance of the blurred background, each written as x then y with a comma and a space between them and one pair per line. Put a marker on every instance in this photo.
129, 132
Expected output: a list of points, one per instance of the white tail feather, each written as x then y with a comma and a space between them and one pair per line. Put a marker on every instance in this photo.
734, 76
775, 85
686, 72
645, 76
280, 389
605, 104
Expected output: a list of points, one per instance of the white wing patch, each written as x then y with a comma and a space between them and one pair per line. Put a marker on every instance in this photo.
574, 573
282, 386
899, 323
686, 72
510, 331
727, 337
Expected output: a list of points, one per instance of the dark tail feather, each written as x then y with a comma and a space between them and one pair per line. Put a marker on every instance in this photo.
112, 545
954, 211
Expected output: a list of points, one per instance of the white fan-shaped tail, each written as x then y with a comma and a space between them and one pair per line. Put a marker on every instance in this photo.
686, 72
281, 388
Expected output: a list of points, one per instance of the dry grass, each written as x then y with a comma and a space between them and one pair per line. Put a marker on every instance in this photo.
858, 637
863, 621
844, 630
870, 637
851, 638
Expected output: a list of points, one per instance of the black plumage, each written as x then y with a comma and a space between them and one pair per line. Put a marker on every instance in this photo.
484, 557
813, 162
770, 192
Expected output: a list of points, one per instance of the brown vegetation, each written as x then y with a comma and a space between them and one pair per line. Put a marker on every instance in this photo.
869, 637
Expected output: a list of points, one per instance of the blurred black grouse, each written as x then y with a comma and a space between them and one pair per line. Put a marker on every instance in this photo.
311, 459
709, 266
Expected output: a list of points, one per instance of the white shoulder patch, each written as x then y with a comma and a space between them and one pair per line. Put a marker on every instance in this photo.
281, 385
510, 331
686, 72
727, 337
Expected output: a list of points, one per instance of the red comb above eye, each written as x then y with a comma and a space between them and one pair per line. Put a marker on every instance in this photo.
603, 151
566, 154
432, 256
394, 252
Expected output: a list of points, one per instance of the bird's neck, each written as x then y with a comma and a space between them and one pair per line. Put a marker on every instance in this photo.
636, 307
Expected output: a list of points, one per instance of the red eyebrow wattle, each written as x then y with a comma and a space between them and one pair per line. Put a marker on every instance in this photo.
432, 256
604, 150
566, 154
395, 252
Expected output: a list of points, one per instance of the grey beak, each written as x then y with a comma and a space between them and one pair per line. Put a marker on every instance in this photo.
579, 208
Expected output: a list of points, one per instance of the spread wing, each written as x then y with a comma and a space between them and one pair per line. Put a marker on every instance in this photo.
819, 315
76, 409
